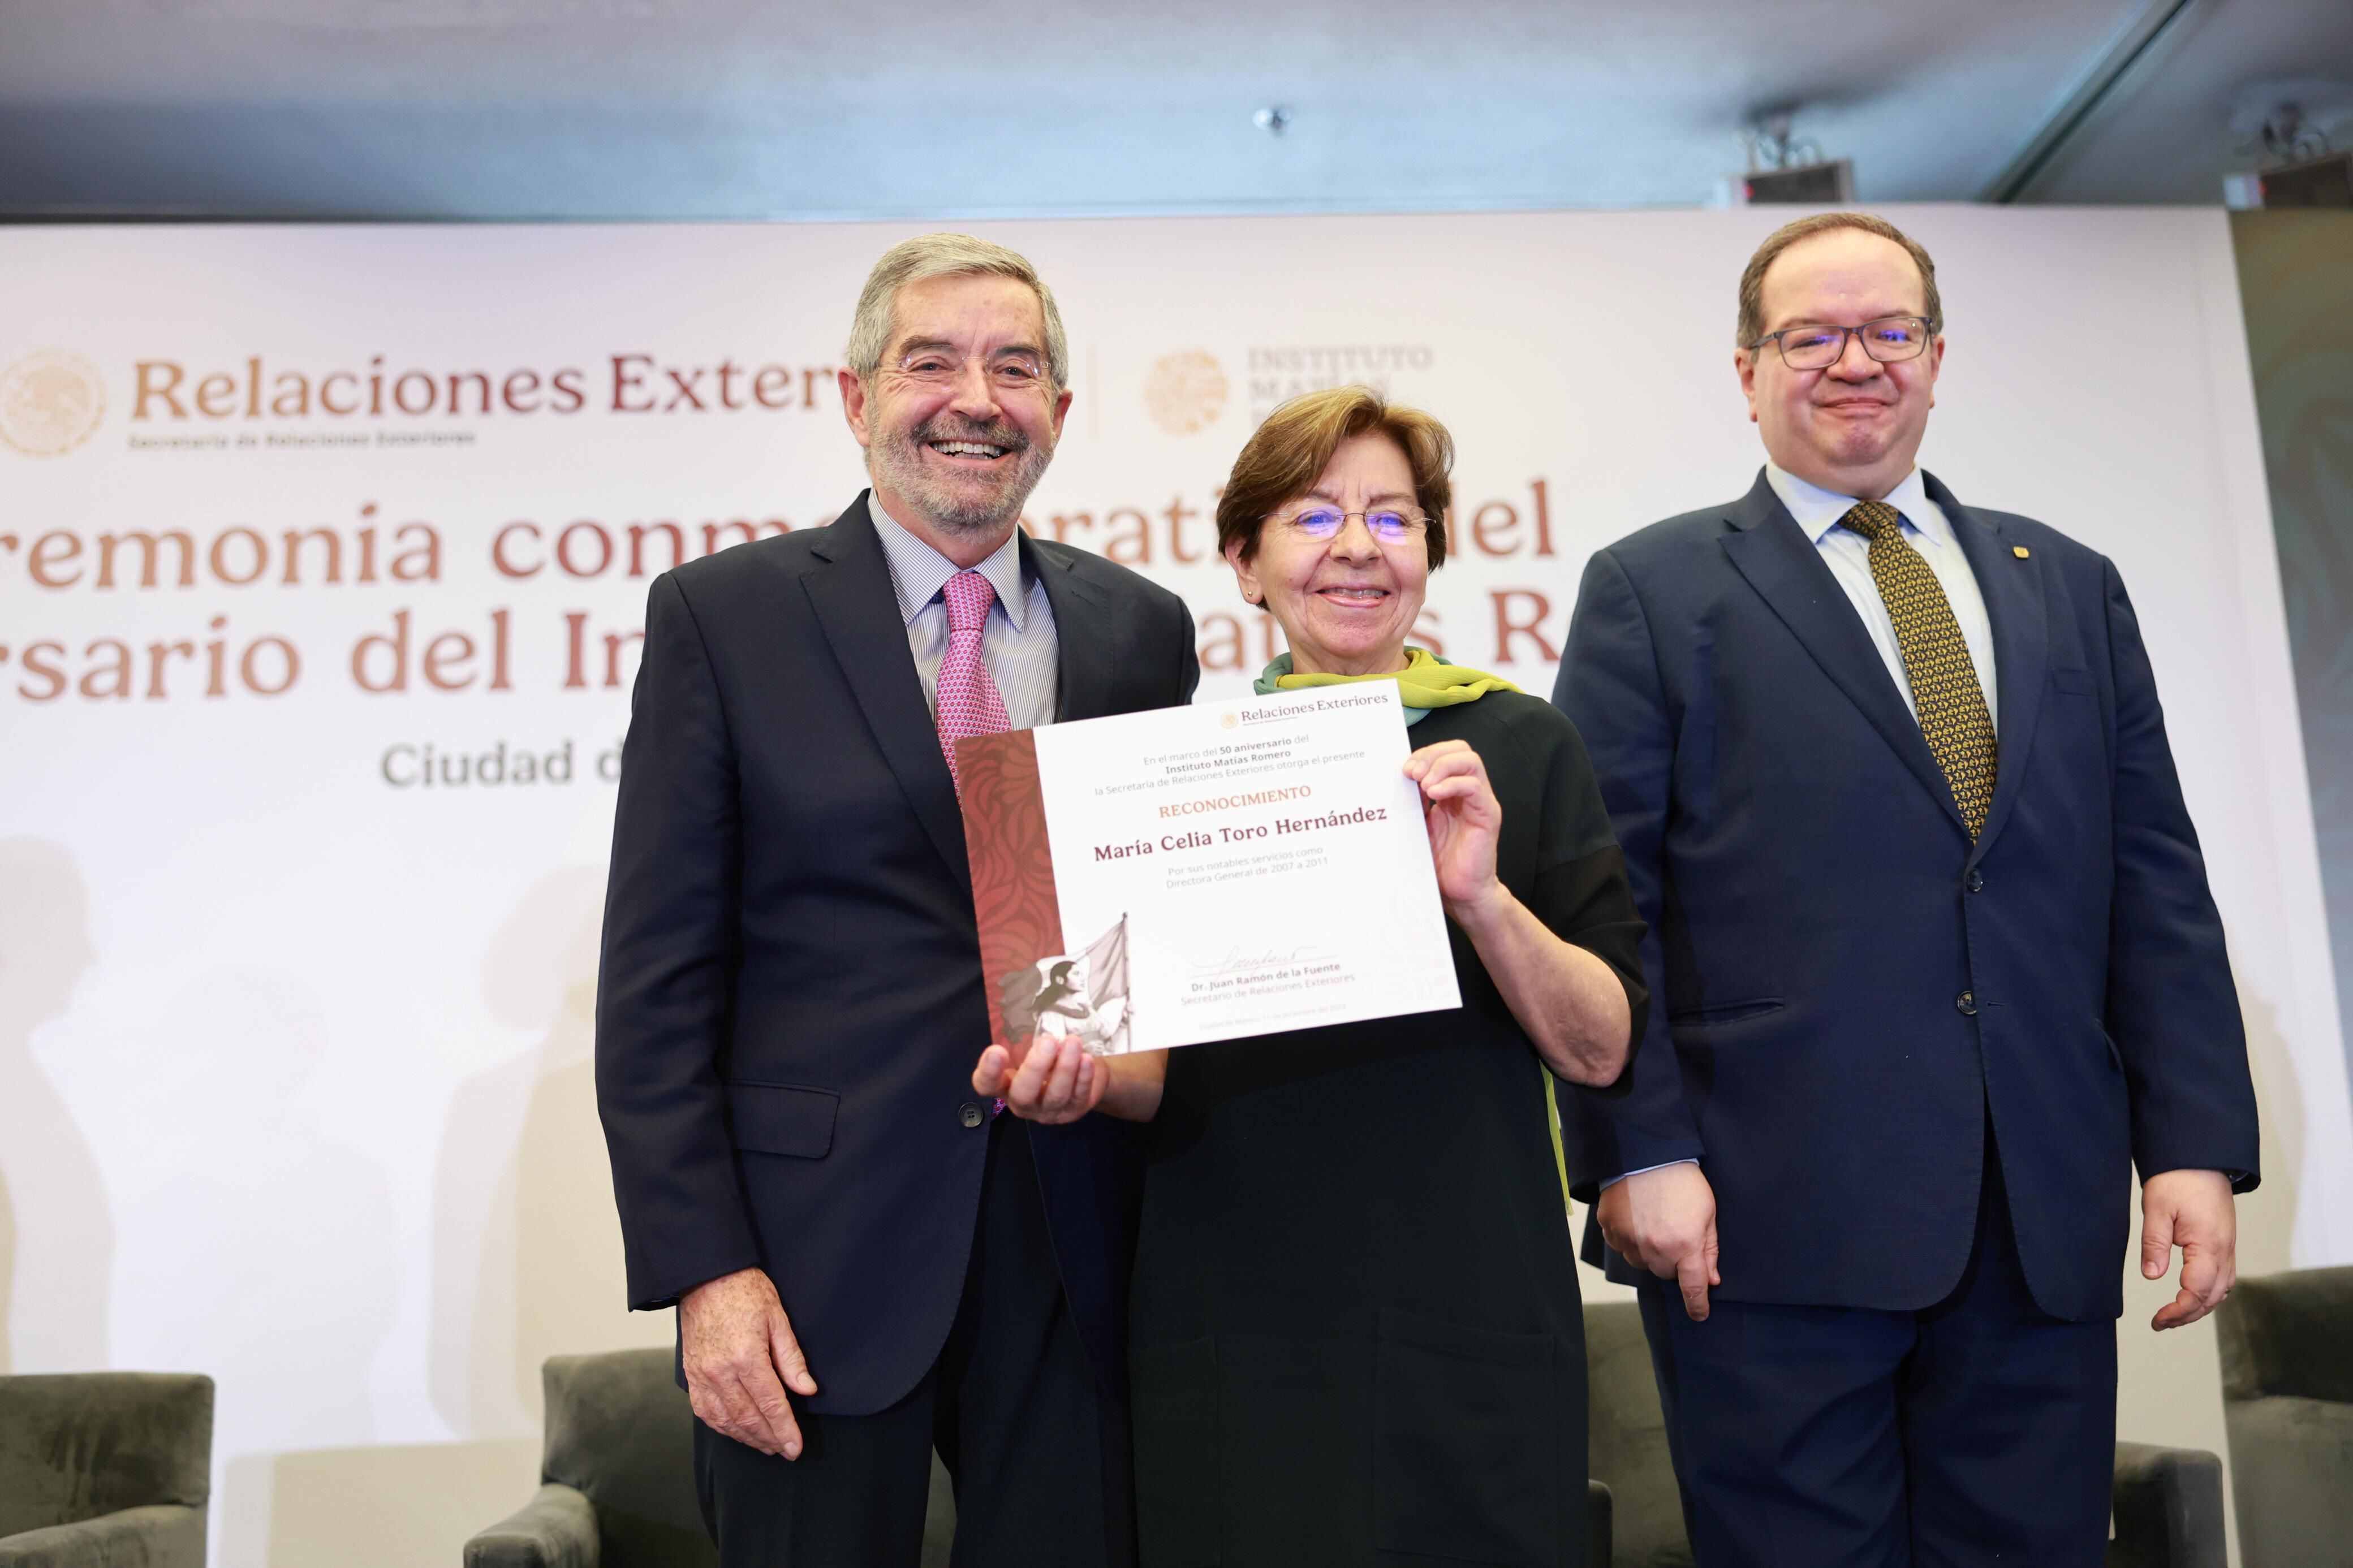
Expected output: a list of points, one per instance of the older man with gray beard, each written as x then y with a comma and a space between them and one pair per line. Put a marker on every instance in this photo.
869, 1264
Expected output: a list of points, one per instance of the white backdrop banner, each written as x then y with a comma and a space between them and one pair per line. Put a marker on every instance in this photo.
323, 552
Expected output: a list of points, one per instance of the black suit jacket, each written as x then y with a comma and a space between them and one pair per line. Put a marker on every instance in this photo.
1850, 985
791, 1003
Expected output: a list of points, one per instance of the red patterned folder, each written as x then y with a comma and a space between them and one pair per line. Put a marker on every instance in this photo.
1012, 874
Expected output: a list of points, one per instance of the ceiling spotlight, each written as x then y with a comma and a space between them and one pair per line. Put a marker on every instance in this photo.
2287, 138
1273, 119
2286, 128
1785, 168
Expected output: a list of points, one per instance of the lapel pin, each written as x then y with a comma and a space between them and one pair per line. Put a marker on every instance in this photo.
2019, 551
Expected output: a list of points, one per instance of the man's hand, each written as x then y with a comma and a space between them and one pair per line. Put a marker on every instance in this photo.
1664, 1221
2194, 1211
736, 1344
1054, 1080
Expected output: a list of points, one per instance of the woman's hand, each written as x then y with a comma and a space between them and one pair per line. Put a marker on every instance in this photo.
1464, 819
1054, 1080
1571, 1005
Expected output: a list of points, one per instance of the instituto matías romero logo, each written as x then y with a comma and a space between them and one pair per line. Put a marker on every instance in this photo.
1185, 392
49, 403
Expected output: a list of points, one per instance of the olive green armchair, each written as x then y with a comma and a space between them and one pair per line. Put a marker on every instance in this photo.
618, 1476
104, 1469
616, 1473
2286, 1343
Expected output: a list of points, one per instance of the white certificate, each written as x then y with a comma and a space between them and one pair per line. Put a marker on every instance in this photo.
1205, 873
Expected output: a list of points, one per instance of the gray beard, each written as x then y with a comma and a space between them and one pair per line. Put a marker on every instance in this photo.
897, 461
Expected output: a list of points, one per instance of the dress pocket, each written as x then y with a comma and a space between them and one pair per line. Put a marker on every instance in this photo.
1175, 1416
1465, 1443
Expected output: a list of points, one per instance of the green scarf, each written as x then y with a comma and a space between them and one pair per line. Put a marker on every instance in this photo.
1426, 681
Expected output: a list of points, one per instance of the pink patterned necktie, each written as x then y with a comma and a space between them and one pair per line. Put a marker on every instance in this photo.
969, 703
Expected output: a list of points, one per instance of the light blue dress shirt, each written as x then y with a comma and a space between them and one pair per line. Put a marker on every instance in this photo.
1017, 644
1928, 531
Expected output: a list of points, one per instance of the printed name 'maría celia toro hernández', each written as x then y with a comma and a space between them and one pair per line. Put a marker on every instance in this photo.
1224, 837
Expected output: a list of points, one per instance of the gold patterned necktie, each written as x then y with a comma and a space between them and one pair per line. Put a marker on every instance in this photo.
1943, 681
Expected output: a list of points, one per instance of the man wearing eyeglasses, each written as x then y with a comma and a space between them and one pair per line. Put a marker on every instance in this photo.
868, 1263
1933, 947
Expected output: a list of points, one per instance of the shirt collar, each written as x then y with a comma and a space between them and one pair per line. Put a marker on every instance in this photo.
918, 572
1818, 510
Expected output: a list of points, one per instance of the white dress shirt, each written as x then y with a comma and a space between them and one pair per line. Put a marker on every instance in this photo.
1018, 642
1848, 554
1928, 531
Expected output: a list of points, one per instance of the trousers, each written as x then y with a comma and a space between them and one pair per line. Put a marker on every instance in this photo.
1037, 1449
1978, 1430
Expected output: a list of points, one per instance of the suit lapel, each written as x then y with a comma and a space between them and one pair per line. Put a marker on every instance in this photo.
1082, 684
1790, 573
2013, 590
849, 588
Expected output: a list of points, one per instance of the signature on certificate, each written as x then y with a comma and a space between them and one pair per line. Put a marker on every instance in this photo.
1243, 960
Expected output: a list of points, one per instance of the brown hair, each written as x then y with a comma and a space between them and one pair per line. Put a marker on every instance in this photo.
1751, 276
1285, 457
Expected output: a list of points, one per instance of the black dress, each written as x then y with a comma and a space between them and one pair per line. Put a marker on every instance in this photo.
1356, 1333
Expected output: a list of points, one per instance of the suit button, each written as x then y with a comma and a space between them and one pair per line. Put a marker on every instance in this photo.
1968, 1003
972, 1114
1976, 879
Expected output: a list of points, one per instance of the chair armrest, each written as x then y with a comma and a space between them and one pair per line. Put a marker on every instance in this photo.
2168, 1509
557, 1529
1597, 1520
2290, 1461
166, 1535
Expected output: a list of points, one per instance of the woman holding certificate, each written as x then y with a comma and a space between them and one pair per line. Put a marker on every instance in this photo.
1355, 1329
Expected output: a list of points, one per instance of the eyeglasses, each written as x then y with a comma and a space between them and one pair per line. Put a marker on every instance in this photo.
1889, 340
1012, 371
1390, 525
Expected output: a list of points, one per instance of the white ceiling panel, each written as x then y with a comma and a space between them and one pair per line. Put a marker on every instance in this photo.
719, 108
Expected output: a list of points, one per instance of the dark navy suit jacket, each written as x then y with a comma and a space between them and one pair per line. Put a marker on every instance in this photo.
1850, 985
791, 1004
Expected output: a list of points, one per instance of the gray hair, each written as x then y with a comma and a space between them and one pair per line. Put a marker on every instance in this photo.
931, 256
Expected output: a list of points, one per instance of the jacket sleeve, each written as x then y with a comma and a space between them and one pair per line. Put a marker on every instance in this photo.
2172, 1007
1610, 689
1188, 658
666, 987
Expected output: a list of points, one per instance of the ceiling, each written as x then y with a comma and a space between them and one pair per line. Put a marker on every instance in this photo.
727, 109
